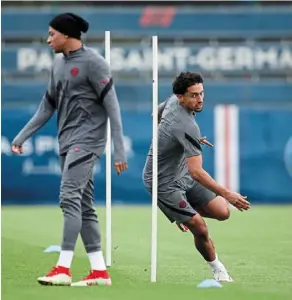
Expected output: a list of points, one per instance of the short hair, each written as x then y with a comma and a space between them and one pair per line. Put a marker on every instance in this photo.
184, 80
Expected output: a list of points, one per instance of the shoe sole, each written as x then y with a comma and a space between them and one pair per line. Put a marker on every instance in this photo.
100, 282
49, 283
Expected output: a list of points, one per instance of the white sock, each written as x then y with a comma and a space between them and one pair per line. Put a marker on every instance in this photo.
65, 258
96, 261
216, 264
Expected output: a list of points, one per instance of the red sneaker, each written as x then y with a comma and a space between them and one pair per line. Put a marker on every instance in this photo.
57, 276
95, 278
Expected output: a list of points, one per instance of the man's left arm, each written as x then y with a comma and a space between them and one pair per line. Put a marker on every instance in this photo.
101, 80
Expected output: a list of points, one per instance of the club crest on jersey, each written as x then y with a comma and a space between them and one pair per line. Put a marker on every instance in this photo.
74, 71
182, 204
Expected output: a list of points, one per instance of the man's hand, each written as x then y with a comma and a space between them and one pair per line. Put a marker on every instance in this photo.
120, 167
237, 200
17, 149
203, 140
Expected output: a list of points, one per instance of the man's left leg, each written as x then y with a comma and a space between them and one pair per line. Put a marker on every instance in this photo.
217, 208
207, 204
91, 238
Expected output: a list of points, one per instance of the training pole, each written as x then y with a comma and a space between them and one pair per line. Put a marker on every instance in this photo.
154, 156
108, 181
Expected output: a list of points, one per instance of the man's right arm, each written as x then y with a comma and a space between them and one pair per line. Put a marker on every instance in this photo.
41, 117
199, 174
188, 137
195, 166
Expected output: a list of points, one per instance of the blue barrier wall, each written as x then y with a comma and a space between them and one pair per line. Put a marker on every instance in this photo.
35, 176
266, 154
265, 158
137, 95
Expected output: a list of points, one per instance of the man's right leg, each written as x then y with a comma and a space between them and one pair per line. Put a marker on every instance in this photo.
177, 209
200, 199
203, 243
206, 247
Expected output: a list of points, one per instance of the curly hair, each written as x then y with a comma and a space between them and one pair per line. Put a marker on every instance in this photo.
184, 80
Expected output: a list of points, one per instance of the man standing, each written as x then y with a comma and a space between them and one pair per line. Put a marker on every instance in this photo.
81, 90
186, 192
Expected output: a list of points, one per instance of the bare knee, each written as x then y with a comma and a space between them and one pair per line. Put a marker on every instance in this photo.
218, 209
223, 214
197, 226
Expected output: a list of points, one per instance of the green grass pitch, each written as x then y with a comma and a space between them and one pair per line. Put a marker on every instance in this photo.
256, 247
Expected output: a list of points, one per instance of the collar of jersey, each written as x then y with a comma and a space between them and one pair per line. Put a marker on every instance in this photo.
74, 53
189, 112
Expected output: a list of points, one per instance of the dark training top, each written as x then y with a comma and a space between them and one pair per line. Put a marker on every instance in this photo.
178, 139
81, 90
